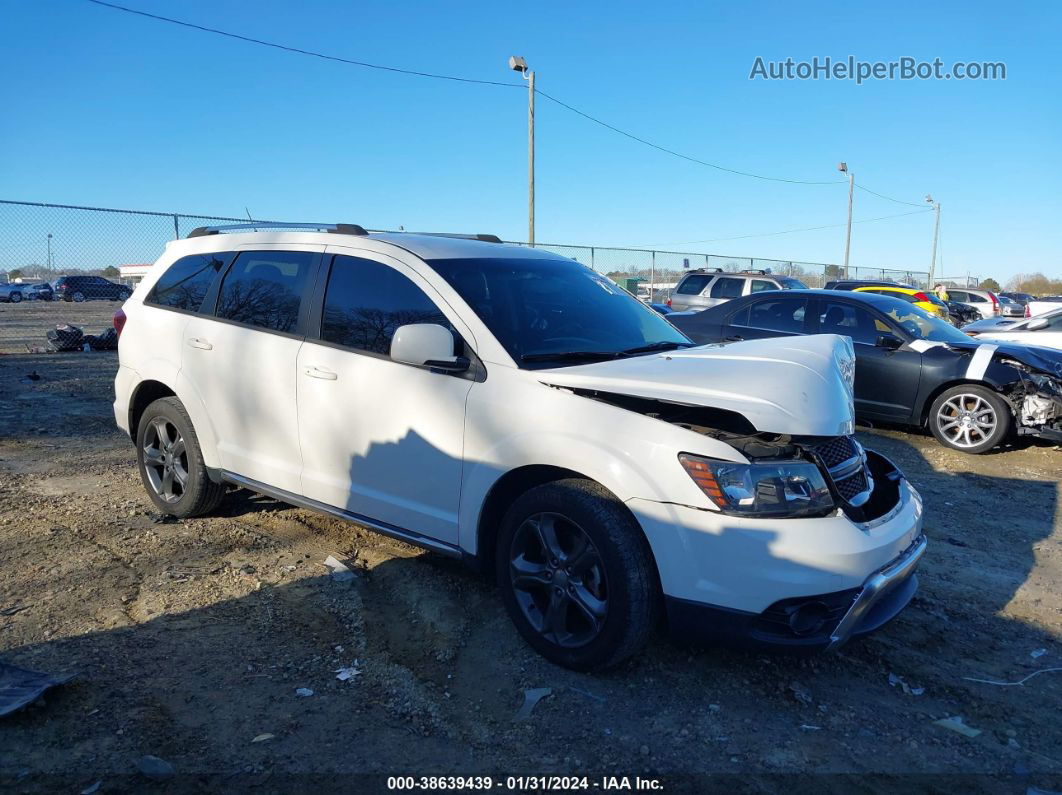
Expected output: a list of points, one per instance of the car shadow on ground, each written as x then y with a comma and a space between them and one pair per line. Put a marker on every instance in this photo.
212, 685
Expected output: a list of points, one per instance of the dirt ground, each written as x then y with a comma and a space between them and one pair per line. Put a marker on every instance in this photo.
23, 325
190, 640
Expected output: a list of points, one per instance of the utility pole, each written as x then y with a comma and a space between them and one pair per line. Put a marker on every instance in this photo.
843, 168
518, 64
936, 237
49, 260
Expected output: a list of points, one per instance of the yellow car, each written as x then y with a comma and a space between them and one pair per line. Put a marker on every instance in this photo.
923, 300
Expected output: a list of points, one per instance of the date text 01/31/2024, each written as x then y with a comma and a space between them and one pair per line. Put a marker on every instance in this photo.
524, 783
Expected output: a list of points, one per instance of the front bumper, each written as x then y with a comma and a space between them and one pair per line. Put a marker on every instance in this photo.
811, 623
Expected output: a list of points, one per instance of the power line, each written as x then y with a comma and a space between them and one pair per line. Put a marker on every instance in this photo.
300, 51
415, 73
804, 229
454, 78
889, 198
679, 154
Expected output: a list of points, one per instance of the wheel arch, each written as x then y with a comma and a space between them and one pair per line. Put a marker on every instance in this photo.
146, 393
512, 485
927, 404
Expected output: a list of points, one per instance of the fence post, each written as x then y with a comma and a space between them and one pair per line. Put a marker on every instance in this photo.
176, 228
592, 258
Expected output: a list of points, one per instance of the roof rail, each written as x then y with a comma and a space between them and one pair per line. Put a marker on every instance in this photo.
705, 270
757, 272
339, 229
484, 237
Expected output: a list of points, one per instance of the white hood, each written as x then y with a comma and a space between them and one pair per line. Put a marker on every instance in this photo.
793, 385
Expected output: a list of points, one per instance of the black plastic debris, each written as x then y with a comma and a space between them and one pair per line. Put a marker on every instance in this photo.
19, 687
106, 341
65, 337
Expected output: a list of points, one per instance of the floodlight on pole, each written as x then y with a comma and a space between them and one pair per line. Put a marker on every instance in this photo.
518, 64
843, 168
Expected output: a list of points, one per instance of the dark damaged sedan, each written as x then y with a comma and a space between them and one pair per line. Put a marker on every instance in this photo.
911, 368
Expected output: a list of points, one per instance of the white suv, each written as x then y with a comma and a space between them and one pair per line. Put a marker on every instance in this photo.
516, 409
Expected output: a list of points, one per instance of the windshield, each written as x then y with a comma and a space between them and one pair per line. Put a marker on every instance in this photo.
553, 311
923, 326
790, 284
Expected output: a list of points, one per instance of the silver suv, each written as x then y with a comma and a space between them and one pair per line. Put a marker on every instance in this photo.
704, 287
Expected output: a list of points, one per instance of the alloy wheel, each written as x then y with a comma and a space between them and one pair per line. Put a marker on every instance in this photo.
165, 459
558, 579
966, 420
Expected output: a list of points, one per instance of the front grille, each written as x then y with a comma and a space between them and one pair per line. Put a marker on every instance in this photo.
836, 451
845, 464
849, 488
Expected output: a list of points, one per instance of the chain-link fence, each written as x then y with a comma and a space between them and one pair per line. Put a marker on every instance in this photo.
64, 264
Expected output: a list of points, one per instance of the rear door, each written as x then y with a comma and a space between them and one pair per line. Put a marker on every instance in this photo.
241, 361
770, 316
886, 380
724, 288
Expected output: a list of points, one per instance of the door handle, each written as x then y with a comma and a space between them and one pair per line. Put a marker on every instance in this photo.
320, 372
199, 342
734, 338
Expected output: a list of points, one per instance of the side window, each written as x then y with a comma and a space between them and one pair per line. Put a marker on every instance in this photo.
775, 314
265, 288
726, 287
693, 285
759, 285
851, 321
366, 301
185, 282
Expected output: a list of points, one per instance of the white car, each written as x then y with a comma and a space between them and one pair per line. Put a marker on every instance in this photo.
1043, 330
514, 408
1041, 306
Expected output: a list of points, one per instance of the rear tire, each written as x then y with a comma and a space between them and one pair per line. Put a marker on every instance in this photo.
171, 462
78, 297
970, 418
577, 575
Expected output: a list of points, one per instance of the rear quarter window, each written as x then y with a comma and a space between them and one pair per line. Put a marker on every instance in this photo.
185, 283
693, 285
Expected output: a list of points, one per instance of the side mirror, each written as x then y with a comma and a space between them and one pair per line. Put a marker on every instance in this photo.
1038, 323
888, 341
427, 345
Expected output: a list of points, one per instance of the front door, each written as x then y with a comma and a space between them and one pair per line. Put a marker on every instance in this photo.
379, 438
886, 379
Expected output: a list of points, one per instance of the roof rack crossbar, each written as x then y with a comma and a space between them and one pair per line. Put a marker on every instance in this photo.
339, 229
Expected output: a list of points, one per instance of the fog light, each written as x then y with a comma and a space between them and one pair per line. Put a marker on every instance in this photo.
808, 618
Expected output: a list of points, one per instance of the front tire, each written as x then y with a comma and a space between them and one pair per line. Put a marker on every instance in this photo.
15, 298
577, 575
171, 462
971, 419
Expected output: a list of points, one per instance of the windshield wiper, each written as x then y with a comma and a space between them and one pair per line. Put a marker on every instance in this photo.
568, 356
663, 345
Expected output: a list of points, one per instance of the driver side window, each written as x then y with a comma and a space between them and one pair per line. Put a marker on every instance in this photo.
366, 301
851, 321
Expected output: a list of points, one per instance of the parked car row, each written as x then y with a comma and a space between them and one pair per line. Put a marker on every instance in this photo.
912, 367
66, 288
515, 409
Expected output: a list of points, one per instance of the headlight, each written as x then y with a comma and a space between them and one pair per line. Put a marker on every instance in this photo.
779, 488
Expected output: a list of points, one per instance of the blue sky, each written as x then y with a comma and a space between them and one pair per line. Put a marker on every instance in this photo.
112, 110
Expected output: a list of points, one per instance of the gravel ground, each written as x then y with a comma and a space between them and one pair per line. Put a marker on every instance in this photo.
23, 326
190, 640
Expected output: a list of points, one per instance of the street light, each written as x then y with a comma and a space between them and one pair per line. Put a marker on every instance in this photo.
518, 64
843, 168
936, 235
